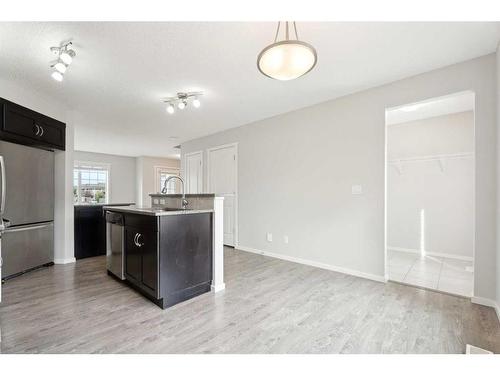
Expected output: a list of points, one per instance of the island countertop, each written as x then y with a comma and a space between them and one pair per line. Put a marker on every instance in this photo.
154, 211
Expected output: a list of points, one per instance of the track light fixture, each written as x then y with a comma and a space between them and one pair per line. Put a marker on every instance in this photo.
65, 55
182, 100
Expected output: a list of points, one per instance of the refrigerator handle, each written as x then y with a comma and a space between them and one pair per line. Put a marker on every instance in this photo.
2, 198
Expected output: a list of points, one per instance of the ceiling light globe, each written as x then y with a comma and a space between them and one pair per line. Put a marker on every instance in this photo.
60, 67
181, 105
57, 76
67, 56
170, 108
287, 60
196, 103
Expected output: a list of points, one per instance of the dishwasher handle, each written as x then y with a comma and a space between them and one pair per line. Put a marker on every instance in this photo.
114, 218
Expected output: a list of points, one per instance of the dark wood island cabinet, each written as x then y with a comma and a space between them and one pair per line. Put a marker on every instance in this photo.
168, 258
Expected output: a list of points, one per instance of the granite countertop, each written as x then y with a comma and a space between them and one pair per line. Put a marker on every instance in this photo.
153, 211
101, 204
203, 195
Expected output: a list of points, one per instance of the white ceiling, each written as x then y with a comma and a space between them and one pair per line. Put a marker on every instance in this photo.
122, 70
456, 103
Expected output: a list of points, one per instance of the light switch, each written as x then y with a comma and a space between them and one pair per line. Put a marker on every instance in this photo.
356, 189
269, 237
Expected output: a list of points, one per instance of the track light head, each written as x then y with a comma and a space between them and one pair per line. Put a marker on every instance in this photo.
67, 56
58, 76
60, 67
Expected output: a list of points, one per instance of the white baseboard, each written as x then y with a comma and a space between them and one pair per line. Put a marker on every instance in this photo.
218, 287
431, 253
487, 302
312, 263
65, 260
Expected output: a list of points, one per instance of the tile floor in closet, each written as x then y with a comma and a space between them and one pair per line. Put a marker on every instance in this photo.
443, 274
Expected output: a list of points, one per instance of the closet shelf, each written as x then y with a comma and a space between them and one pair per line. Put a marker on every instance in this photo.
441, 158
463, 155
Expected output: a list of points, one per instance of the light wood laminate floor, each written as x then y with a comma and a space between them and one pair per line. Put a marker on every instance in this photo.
269, 306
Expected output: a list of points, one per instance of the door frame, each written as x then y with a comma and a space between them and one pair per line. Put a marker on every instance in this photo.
235, 146
200, 152
474, 180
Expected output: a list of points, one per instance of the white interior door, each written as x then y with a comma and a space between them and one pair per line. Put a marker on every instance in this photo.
222, 180
194, 173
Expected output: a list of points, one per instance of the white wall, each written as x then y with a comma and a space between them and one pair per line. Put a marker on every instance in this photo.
24, 94
296, 170
446, 196
498, 183
122, 176
146, 176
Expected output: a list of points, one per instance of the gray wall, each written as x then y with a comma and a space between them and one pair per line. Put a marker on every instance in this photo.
296, 171
122, 174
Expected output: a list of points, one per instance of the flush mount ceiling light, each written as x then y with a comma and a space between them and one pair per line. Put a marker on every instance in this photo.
182, 100
287, 59
65, 55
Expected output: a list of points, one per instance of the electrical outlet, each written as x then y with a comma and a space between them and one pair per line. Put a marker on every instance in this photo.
285, 238
269, 237
356, 189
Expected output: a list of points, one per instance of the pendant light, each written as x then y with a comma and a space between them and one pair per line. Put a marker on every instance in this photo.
287, 59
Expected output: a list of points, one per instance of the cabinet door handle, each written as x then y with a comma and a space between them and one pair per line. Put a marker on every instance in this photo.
135, 239
138, 243
37, 129
41, 134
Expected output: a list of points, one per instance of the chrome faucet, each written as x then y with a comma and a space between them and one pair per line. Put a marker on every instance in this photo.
164, 190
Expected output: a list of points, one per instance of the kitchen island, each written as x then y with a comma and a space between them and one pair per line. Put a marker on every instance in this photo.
172, 254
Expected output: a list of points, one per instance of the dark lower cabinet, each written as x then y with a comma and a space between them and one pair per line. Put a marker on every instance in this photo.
186, 256
133, 260
90, 232
169, 258
141, 258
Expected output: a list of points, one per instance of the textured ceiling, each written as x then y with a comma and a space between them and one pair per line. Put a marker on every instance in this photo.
122, 70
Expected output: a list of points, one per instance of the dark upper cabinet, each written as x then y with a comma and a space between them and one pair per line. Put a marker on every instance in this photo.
22, 125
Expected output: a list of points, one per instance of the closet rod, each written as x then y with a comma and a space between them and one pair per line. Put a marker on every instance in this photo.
463, 155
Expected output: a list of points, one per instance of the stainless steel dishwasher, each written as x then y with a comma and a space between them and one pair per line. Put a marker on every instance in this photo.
115, 257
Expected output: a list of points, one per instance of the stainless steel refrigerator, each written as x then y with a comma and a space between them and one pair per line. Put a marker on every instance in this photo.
26, 208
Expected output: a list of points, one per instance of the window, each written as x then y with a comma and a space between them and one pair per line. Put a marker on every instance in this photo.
161, 174
90, 183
